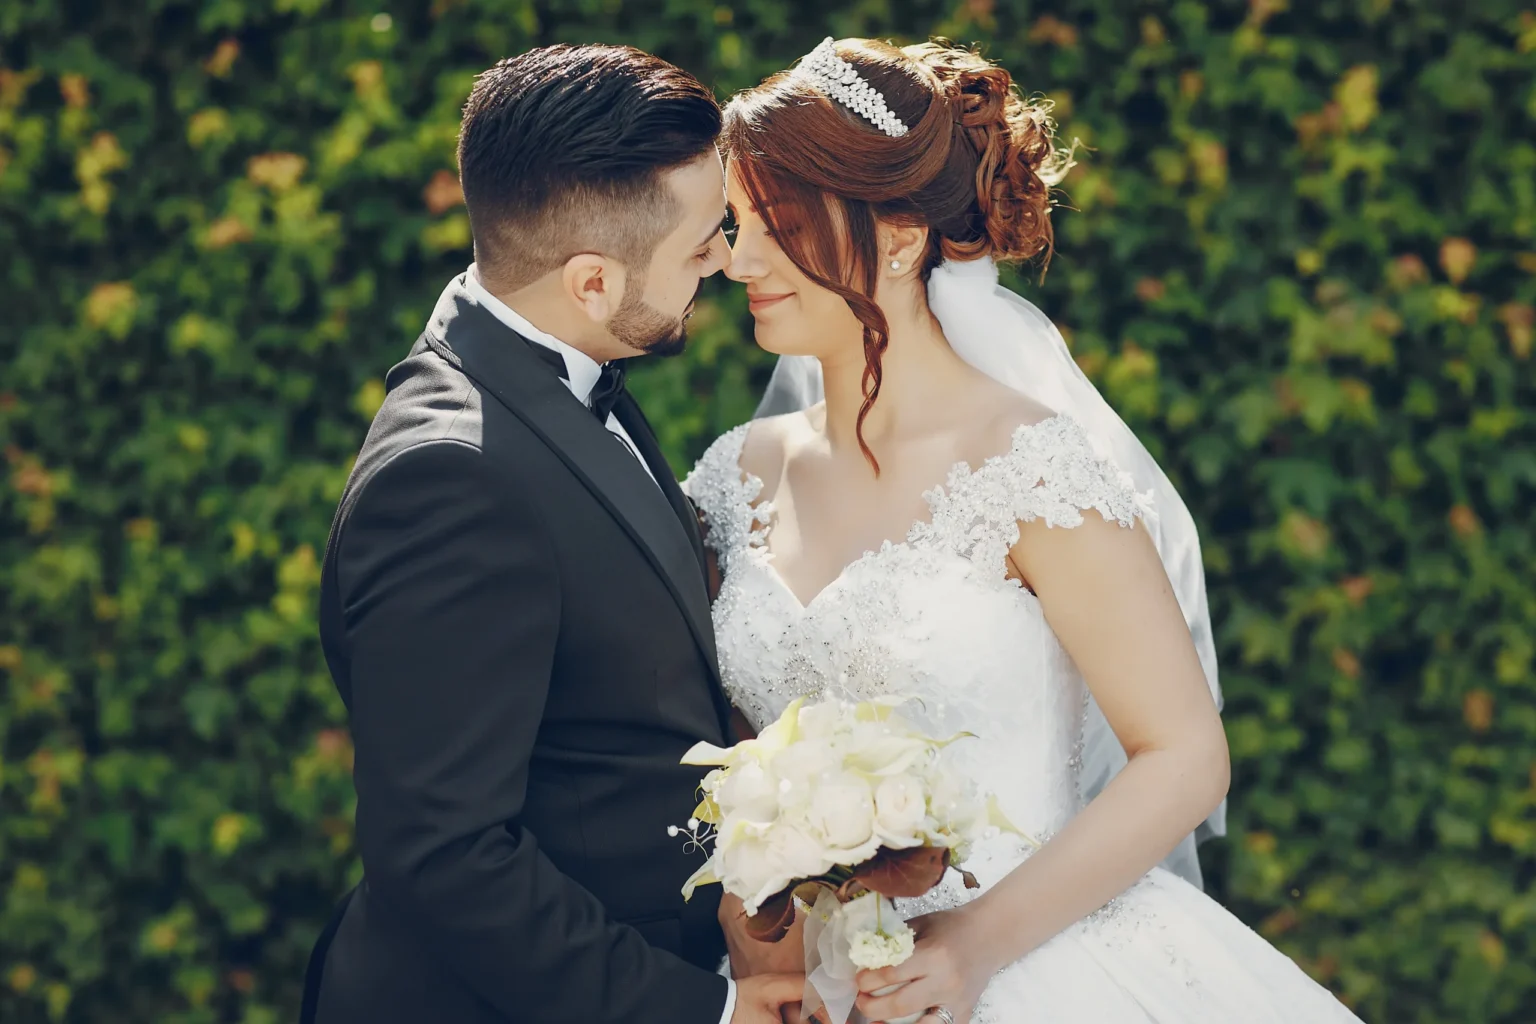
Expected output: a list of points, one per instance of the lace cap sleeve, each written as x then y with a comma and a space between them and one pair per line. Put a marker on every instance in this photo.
724, 494
1053, 471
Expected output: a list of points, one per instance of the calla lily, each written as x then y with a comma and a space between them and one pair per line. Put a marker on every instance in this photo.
704, 876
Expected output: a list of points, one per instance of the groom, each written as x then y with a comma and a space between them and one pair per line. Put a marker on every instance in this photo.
513, 604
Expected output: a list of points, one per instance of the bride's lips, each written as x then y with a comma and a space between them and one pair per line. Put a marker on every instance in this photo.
758, 303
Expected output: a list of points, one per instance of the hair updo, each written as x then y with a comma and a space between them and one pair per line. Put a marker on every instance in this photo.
976, 168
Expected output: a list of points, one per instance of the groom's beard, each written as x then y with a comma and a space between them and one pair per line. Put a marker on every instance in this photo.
647, 329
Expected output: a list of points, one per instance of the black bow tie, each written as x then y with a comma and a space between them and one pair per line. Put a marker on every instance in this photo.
605, 393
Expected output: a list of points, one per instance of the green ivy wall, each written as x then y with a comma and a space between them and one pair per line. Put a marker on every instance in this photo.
1300, 256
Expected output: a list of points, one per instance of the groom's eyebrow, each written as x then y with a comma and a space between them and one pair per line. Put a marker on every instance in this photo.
710, 237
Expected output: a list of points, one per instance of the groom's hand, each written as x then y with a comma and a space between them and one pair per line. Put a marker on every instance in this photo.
750, 956
759, 999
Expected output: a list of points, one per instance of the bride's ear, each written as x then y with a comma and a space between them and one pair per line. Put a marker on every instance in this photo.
901, 248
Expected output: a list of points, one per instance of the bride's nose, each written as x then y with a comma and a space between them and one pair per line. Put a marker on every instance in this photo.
747, 262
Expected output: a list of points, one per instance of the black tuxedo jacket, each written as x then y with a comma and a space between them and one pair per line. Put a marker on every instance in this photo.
516, 617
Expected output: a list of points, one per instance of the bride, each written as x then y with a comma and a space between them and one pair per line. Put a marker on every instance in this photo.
963, 520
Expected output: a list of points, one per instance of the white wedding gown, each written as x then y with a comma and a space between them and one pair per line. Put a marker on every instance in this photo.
935, 617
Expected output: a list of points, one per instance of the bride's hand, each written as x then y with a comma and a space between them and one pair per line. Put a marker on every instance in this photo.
950, 967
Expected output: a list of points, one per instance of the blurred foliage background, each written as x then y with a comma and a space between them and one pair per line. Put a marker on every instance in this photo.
1300, 257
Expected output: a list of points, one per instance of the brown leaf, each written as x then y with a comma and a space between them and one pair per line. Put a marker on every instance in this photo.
1457, 255
904, 873
970, 879
1477, 709
773, 919
442, 193
849, 890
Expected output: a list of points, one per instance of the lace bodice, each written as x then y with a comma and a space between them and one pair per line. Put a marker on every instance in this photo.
933, 617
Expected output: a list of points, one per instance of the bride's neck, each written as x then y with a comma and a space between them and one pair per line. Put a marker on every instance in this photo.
918, 369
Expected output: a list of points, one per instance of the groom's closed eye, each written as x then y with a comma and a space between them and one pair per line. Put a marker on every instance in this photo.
709, 243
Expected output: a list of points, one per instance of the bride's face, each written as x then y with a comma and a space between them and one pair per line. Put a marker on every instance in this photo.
794, 315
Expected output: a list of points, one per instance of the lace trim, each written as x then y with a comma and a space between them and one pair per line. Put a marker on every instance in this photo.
1052, 471
724, 494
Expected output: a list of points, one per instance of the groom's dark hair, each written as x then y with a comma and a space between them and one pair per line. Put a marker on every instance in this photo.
562, 149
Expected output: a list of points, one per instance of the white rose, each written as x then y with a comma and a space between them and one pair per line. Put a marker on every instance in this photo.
750, 793
793, 852
900, 807
801, 768
748, 868
956, 805
842, 811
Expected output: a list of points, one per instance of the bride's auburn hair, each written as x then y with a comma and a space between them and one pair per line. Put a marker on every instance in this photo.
975, 168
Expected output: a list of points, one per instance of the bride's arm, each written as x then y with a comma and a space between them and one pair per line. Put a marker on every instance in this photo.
1108, 599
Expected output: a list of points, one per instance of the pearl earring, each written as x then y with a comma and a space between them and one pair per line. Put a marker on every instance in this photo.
895, 264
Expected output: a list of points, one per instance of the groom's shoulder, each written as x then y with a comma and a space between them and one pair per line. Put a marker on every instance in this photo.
435, 418
427, 399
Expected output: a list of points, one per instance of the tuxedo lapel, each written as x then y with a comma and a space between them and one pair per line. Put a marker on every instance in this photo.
629, 414
502, 363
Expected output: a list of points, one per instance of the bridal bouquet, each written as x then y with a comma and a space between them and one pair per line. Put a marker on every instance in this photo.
842, 808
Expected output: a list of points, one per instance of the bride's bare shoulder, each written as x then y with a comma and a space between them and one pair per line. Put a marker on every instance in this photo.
770, 439
1006, 411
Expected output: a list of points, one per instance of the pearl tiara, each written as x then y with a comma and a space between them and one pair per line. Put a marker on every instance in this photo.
823, 68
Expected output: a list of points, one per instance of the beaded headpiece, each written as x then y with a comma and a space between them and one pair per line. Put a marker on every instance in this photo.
837, 78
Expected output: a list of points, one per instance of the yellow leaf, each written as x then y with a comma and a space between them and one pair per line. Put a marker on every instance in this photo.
228, 829
227, 231
1519, 321
447, 234
111, 307
367, 79
1261, 843
1356, 96
222, 59
369, 398
244, 542
299, 571
1303, 535
1492, 950
75, 90
205, 125
193, 437
162, 937
276, 171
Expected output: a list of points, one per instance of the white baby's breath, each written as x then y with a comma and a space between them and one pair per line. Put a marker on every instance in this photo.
874, 950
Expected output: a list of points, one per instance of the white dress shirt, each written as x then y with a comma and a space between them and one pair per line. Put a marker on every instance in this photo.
581, 372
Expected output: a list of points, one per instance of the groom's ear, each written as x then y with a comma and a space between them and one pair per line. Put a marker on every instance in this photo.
594, 283
903, 244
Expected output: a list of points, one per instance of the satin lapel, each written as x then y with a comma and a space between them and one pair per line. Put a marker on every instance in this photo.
628, 412
499, 360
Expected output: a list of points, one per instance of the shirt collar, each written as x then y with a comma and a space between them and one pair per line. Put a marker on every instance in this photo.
581, 369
